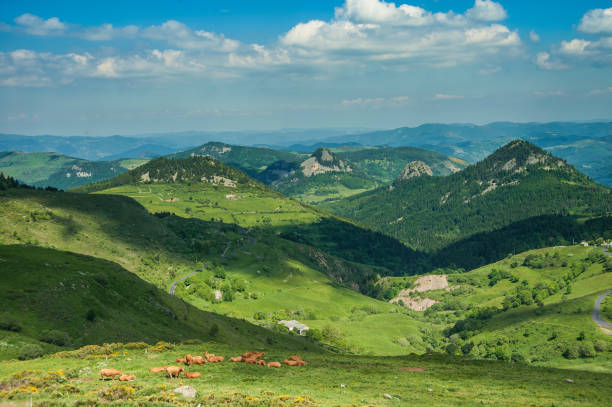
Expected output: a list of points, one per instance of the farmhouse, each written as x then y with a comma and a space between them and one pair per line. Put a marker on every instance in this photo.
295, 325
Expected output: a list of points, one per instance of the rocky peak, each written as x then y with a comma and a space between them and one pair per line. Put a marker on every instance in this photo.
322, 161
415, 169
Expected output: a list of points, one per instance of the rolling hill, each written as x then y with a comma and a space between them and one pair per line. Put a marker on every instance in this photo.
518, 182
251, 160
243, 256
63, 300
60, 171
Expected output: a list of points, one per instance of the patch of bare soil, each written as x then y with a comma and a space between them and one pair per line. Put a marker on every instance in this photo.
423, 284
411, 369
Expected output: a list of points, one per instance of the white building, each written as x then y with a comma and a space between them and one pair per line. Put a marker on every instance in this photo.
295, 325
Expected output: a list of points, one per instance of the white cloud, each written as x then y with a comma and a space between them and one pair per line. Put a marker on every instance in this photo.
601, 91
487, 10
533, 36
545, 61
380, 11
107, 32
549, 93
445, 96
178, 34
375, 30
489, 71
375, 103
37, 26
597, 21
575, 47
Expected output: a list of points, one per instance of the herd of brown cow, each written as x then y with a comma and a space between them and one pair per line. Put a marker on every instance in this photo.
254, 358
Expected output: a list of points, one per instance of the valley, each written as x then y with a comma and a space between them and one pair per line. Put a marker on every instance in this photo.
226, 258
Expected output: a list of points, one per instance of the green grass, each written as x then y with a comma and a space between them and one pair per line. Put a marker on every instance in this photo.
540, 334
330, 380
244, 206
92, 301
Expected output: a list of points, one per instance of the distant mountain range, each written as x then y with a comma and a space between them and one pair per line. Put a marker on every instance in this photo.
587, 146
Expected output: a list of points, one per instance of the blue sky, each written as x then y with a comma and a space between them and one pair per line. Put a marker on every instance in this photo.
102, 68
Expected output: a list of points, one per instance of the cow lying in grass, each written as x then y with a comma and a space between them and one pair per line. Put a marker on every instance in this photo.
127, 378
192, 375
157, 369
274, 364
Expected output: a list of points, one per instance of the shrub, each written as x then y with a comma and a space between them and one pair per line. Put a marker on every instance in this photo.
600, 346
192, 342
102, 279
571, 352
136, 345
10, 323
259, 316
55, 337
517, 357
586, 350
452, 348
214, 330
91, 315
30, 351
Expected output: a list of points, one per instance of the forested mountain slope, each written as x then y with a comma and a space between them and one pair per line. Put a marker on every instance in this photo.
517, 182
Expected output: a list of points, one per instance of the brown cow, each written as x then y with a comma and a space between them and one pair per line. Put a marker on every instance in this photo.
174, 371
192, 375
198, 360
181, 360
188, 359
290, 362
157, 369
104, 373
261, 362
236, 359
251, 360
274, 364
126, 378
247, 355
301, 363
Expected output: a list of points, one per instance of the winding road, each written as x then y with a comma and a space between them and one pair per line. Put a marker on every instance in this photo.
597, 310
173, 285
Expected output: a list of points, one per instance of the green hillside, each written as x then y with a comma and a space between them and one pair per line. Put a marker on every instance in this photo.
385, 164
251, 160
535, 306
519, 181
64, 300
60, 171
252, 261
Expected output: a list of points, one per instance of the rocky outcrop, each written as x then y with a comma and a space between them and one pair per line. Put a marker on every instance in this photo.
415, 169
322, 161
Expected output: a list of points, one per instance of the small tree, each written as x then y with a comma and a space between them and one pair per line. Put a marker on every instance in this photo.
30, 351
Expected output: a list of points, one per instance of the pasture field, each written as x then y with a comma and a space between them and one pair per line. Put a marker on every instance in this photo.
244, 206
72, 379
